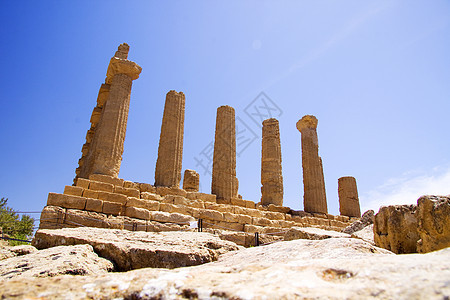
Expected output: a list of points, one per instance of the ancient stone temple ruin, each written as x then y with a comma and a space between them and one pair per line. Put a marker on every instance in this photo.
98, 198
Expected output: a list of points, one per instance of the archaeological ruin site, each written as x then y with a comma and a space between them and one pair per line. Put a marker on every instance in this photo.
98, 198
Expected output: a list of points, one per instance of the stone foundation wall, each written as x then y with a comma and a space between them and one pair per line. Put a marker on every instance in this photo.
108, 202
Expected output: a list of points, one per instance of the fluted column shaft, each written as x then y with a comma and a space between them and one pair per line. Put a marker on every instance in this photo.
314, 198
170, 150
348, 197
271, 173
224, 182
106, 147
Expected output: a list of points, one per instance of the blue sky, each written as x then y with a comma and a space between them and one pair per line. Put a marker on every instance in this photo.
375, 73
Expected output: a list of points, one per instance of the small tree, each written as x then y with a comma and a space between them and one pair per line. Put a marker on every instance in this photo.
11, 225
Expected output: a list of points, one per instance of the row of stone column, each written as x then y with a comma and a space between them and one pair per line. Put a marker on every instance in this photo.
102, 152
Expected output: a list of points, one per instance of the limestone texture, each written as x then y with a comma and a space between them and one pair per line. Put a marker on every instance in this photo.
224, 182
433, 214
170, 150
395, 228
300, 269
314, 198
271, 173
191, 181
348, 197
365, 234
310, 233
103, 152
8, 251
75, 260
366, 219
134, 250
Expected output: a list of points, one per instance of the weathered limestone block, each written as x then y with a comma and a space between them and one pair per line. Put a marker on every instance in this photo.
107, 179
106, 148
151, 196
209, 214
220, 207
90, 194
312, 234
52, 217
191, 181
146, 187
112, 197
134, 224
112, 208
433, 214
74, 260
366, 219
170, 150
224, 181
81, 218
129, 192
84, 183
271, 174
66, 201
162, 190
166, 217
395, 228
143, 203
101, 186
138, 213
237, 202
178, 200
73, 190
276, 208
131, 185
314, 198
94, 205
348, 197
201, 196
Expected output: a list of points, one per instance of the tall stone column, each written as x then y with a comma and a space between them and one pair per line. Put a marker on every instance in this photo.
348, 197
224, 182
105, 149
170, 150
314, 198
271, 175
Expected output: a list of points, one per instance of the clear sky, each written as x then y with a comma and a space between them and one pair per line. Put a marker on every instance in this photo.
376, 74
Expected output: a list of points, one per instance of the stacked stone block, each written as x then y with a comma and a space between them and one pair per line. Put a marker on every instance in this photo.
170, 150
109, 202
191, 181
271, 174
314, 199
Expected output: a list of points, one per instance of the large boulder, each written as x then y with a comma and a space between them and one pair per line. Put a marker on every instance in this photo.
433, 214
339, 268
75, 260
395, 228
137, 249
310, 233
366, 219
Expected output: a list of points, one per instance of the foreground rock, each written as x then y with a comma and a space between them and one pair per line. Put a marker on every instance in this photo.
395, 228
366, 219
433, 213
75, 260
310, 233
137, 249
338, 268
365, 234
8, 251
424, 227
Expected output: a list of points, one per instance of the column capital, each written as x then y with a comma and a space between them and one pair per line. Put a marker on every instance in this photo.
308, 121
122, 66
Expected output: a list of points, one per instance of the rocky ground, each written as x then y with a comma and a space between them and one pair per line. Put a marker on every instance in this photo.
323, 268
